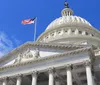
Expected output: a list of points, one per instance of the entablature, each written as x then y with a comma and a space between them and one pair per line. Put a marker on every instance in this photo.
56, 61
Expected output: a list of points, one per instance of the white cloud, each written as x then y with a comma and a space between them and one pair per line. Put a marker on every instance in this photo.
7, 44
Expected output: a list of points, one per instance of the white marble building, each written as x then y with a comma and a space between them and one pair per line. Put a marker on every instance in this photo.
66, 53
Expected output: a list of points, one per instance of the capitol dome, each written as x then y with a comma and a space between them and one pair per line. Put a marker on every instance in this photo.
70, 29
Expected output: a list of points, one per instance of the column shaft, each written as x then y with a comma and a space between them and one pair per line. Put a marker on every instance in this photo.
69, 77
18, 80
34, 79
51, 78
89, 75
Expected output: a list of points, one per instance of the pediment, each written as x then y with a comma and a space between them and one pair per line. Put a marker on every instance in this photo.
30, 51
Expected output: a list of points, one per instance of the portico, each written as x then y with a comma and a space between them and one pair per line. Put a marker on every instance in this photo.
51, 75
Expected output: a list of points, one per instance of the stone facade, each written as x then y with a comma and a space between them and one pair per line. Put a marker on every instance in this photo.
67, 53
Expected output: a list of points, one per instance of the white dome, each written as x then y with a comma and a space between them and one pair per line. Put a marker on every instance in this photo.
66, 21
69, 28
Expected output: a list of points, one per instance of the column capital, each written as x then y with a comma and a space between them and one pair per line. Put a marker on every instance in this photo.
68, 66
87, 63
34, 73
19, 75
51, 70
5, 78
34, 77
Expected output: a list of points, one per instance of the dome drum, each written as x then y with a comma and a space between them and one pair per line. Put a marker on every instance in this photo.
75, 40
67, 31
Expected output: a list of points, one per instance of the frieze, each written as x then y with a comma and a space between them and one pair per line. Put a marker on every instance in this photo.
28, 54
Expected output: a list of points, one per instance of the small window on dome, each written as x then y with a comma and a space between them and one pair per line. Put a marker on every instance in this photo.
59, 32
80, 32
47, 37
73, 31
52, 34
86, 33
91, 34
65, 30
75, 19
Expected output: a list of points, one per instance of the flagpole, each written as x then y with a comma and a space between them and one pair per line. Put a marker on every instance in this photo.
35, 29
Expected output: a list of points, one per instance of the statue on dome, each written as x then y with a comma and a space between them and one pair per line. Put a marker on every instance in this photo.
66, 4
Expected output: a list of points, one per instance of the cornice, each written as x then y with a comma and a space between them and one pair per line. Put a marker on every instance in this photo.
39, 45
86, 49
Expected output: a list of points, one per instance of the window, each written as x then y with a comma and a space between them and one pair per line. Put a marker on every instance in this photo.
52, 34
59, 32
65, 30
92, 34
86, 33
47, 37
80, 32
73, 31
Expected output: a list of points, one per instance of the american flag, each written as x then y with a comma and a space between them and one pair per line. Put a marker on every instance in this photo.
28, 21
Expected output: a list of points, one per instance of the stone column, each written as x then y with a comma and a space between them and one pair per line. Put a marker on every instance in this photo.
51, 77
34, 78
19, 80
76, 31
69, 75
69, 31
89, 73
4, 82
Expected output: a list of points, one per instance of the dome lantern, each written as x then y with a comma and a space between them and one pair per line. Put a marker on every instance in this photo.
67, 11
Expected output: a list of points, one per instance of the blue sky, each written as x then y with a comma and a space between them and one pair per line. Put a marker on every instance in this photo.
12, 12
